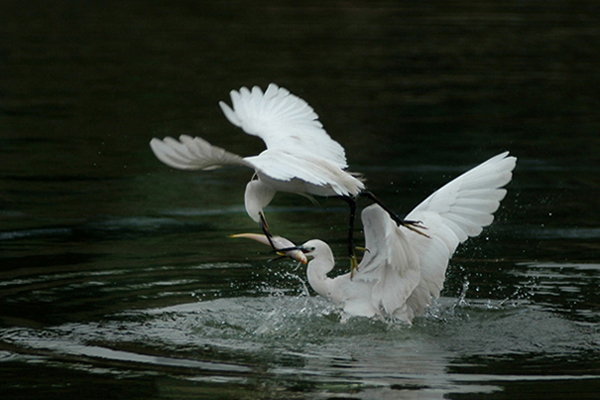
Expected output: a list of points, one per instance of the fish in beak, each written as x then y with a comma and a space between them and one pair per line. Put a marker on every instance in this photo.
281, 245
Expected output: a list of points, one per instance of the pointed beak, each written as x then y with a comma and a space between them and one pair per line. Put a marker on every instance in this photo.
283, 246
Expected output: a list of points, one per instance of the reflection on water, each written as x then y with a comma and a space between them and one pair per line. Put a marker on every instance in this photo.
117, 278
299, 341
232, 326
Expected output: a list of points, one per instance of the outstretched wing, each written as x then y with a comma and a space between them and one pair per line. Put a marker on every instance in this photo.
390, 262
193, 153
283, 166
455, 212
283, 121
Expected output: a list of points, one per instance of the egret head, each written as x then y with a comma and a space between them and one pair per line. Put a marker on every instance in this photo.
321, 255
256, 197
314, 247
282, 246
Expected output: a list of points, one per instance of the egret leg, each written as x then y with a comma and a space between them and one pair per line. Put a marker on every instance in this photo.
414, 226
267, 232
353, 262
265, 229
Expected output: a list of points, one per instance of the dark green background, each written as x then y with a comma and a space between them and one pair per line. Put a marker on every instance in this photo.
416, 92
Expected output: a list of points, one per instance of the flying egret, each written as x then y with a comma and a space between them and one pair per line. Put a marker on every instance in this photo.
300, 157
401, 271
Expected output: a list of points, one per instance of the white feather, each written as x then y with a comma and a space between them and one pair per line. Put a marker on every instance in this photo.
284, 122
193, 153
300, 157
402, 270
455, 212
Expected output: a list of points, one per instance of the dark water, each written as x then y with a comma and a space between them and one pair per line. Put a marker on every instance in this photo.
117, 279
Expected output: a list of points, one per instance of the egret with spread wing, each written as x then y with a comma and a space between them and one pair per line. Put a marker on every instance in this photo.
401, 270
300, 157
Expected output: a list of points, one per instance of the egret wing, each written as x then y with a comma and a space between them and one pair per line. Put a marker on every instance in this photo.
390, 262
282, 166
455, 212
283, 121
193, 153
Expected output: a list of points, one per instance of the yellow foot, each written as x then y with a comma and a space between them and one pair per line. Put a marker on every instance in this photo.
353, 265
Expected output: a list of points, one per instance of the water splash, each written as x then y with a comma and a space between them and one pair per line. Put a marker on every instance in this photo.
462, 299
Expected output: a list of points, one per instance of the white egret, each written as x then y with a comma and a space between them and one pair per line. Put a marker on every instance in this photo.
401, 271
300, 157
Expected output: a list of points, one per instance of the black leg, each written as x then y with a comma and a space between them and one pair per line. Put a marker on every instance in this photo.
265, 228
353, 262
352, 203
412, 225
